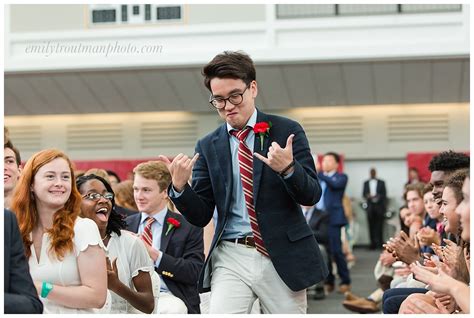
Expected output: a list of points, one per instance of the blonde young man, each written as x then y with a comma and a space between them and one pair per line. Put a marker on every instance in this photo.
175, 246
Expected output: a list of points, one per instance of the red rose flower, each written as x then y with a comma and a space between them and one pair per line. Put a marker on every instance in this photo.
262, 129
172, 223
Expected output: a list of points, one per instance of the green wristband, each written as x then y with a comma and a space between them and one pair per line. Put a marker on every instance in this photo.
46, 288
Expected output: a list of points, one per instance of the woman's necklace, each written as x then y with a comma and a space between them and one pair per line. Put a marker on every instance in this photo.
105, 237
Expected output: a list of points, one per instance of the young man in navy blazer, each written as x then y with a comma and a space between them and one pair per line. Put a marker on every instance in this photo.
262, 248
334, 185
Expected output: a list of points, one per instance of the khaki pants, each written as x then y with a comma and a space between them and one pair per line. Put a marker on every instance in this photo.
241, 274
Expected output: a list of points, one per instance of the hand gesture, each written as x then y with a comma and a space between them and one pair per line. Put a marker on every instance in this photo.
113, 280
404, 248
152, 252
180, 169
437, 278
451, 253
428, 236
386, 258
278, 158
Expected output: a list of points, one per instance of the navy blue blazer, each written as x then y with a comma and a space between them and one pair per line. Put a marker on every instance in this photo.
336, 185
289, 240
183, 258
20, 292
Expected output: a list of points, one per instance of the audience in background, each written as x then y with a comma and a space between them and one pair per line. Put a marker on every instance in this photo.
113, 178
124, 195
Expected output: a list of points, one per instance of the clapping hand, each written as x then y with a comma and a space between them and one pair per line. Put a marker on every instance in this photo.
428, 236
403, 248
437, 278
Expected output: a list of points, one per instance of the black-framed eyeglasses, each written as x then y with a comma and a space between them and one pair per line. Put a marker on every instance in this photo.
234, 99
96, 196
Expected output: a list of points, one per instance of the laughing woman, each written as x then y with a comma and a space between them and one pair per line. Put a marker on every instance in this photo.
64, 251
128, 264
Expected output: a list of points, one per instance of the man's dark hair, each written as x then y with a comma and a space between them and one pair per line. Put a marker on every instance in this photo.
335, 155
116, 221
229, 64
449, 161
455, 182
9, 144
112, 173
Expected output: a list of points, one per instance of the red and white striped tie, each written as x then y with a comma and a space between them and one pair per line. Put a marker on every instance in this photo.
147, 235
246, 176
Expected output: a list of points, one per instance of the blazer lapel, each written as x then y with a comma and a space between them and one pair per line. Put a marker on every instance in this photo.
165, 239
135, 222
257, 163
222, 152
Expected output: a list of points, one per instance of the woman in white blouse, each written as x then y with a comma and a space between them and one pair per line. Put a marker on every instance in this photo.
66, 260
128, 264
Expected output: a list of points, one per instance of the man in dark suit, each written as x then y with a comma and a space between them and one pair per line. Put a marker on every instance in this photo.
20, 293
334, 184
256, 175
318, 221
376, 197
175, 246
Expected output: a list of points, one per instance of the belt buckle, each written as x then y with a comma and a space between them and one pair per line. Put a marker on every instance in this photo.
246, 242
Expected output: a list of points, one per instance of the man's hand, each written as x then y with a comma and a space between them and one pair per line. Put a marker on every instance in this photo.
152, 252
180, 169
386, 258
279, 158
428, 236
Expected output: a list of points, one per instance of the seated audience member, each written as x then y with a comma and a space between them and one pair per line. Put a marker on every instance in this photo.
128, 264
65, 252
112, 177
413, 176
98, 172
175, 246
20, 295
451, 255
124, 197
318, 221
384, 273
427, 235
439, 281
11, 171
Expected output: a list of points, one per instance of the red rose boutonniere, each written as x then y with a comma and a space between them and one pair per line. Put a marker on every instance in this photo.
172, 223
262, 129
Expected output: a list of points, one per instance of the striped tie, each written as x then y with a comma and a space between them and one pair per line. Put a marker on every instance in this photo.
147, 235
246, 176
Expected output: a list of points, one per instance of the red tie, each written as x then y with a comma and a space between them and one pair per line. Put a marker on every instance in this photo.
147, 235
246, 176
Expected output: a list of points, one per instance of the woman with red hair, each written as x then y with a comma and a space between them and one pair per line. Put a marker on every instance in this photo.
65, 251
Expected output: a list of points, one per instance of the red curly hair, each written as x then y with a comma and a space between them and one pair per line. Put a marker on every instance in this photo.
24, 206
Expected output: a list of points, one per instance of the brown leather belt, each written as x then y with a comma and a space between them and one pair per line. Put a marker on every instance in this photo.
247, 241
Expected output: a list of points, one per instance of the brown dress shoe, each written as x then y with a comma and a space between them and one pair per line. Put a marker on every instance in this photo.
362, 306
328, 288
344, 288
350, 296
